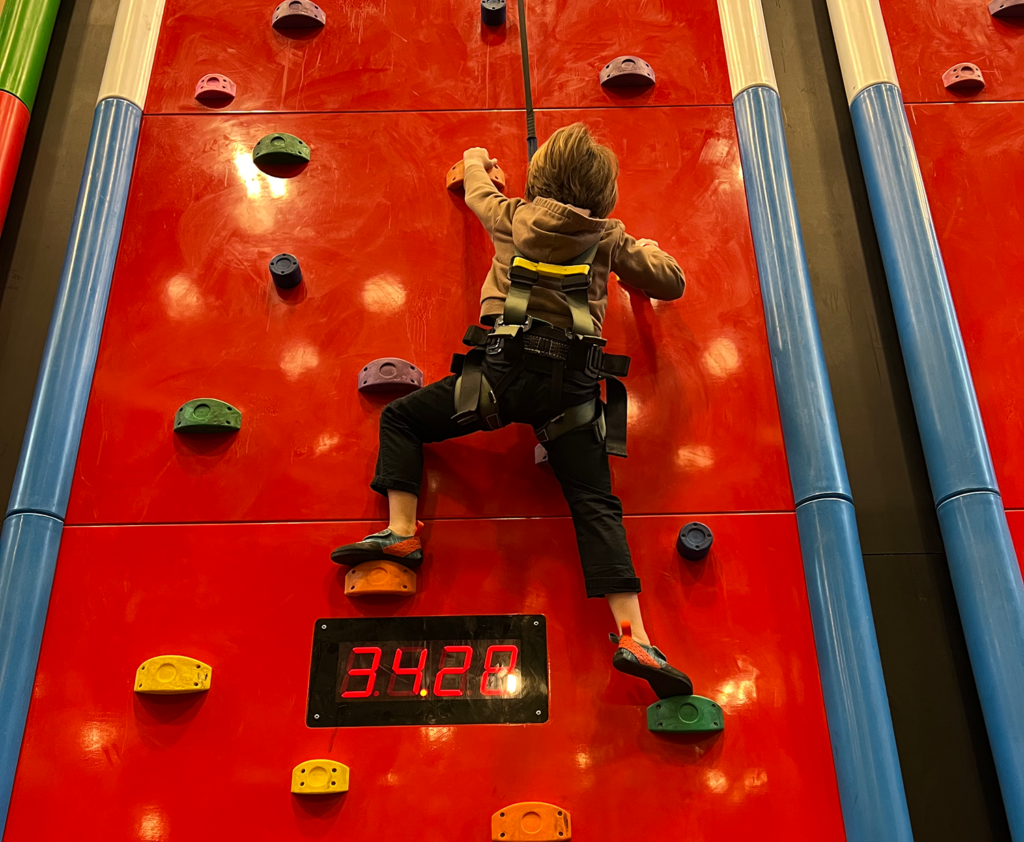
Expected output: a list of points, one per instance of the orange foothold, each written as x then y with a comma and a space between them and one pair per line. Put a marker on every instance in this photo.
453, 181
380, 577
531, 820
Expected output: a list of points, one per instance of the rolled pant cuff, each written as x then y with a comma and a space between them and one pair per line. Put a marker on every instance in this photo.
616, 584
384, 484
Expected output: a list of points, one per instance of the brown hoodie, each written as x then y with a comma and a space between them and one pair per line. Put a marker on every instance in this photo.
550, 232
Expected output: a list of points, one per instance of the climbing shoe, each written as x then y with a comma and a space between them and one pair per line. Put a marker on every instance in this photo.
649, 663
381, 546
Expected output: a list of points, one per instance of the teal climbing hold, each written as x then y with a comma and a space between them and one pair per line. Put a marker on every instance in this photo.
686, 714
278, 149
207, 415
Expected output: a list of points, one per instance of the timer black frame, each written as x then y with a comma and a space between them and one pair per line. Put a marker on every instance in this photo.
326, 709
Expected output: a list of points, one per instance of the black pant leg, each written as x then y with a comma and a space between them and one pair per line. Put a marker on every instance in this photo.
407, 424
581, 465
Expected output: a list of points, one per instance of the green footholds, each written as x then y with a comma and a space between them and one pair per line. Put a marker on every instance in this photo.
278, 149
685, 714
207, 415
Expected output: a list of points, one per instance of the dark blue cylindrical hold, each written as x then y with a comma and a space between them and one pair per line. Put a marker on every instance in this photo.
694, 541
285, 271
492, 12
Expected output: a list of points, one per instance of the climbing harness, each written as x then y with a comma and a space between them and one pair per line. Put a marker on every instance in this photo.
532, 344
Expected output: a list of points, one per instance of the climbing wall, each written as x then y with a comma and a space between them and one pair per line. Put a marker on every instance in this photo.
971, 147
218, 547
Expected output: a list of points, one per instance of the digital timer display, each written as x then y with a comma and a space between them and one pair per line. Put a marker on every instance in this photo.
452, 669
428, 670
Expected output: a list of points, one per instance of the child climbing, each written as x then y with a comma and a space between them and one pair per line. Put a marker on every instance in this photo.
540, 363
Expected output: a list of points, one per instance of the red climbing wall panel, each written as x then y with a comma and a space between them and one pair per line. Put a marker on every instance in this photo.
244, 598
972, 159
570, 42
930, 36
371, 56
393, 264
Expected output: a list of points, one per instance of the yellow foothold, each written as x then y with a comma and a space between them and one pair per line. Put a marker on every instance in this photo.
172, 674
320, 777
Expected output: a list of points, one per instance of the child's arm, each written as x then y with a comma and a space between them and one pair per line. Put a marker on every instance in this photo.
483, 198
641, 264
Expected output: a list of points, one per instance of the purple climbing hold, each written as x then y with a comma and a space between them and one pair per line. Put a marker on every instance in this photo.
390, 374
298, 14
216, 89
963, 77
627, 72
1006, 8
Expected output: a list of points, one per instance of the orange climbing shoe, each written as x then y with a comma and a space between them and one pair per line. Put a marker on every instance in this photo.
382, 546
649, 663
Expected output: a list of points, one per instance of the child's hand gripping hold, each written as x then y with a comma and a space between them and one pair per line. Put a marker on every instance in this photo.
481, 155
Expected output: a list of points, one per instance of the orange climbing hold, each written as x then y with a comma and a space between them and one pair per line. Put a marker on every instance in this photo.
531, 820
453, 181
380, 577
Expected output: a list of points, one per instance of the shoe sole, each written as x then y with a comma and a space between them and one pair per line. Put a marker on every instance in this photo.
664, 686
351, 558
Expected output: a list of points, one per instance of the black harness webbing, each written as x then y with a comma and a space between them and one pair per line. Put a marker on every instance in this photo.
529, 343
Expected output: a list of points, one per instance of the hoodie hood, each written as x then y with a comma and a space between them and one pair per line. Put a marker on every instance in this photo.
549, 232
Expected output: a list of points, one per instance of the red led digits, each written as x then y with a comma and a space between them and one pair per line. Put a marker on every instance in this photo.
370, 672
500, 671
462, 670
398, 670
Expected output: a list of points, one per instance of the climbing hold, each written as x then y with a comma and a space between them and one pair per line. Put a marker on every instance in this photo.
285, 271
694, 541
492, 12
692, 714
963, 77
215, 90
453, 180
276, 149
627, 72
320, 777
207, 415
532, 820
390, 374
540, 455
298, 14
1006, 8
171, 675
380, 577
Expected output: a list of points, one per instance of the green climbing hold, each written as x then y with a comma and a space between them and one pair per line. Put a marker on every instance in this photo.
276, 149
207, 415
688, 714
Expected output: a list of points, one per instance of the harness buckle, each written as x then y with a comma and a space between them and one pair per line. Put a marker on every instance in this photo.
502, 329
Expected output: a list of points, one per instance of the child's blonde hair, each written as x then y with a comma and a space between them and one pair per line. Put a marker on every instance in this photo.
574, 169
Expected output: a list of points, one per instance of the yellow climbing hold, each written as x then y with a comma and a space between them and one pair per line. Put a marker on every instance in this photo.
320, 777
172, 674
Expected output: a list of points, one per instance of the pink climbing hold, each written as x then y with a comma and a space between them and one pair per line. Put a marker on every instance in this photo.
963, 77
390, 374
627, 72
298, 14
1006, 8
215, 88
